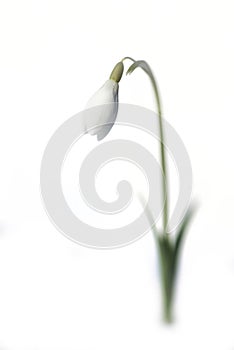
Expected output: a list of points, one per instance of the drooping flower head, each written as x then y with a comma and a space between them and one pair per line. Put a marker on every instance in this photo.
101, 122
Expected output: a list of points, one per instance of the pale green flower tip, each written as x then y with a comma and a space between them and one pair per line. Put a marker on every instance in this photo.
117, 72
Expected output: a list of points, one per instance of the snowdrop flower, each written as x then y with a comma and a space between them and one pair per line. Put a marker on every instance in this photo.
101, 122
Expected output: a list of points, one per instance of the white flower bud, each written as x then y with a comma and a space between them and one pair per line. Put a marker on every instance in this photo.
107, 98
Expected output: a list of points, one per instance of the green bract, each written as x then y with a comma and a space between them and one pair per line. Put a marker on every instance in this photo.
117, 72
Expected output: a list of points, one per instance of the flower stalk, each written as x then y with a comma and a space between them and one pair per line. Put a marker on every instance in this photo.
168, 247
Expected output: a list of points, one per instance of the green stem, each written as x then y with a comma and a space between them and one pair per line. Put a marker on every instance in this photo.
167, 275
128, 58
162, 153
146, 68
165, 245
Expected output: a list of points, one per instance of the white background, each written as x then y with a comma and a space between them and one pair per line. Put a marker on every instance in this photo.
55, 294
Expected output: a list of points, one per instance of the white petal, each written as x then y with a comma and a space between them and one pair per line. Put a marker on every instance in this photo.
106, 94
107, 98
106, 128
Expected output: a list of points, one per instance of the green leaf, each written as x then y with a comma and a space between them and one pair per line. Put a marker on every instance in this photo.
181, 234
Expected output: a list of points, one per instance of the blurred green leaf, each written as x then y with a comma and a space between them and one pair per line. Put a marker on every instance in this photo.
181, 235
